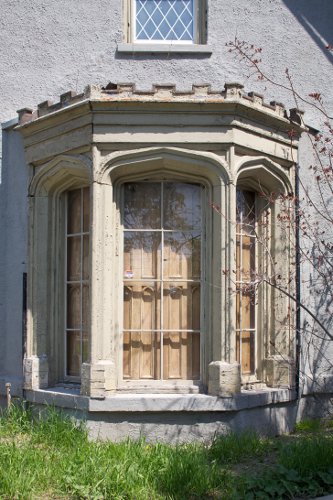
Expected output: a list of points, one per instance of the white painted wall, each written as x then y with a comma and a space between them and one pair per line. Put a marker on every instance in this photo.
50, 47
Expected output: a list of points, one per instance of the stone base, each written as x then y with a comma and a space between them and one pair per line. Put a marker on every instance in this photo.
279, 371
36, 372
178, 418
224, 379
98, 379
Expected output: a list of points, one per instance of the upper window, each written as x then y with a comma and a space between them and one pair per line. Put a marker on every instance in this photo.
166, 21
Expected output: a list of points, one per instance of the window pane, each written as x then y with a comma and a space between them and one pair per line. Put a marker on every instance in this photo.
247, 351
181, 301
246, 211
181, 356
245, 309
141, 307
74, 211
182, 206
74, 258
141, 355
142, 255
182, 255
73, 354
142, 205
74, 306
164, 20
245, 254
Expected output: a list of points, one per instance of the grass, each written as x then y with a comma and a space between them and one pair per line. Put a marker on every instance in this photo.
53, 458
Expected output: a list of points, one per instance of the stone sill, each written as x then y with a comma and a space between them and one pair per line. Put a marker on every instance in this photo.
70, 398
163, 48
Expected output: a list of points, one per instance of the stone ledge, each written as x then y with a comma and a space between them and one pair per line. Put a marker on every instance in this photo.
189, 402
161, 48
70, 398
58, 396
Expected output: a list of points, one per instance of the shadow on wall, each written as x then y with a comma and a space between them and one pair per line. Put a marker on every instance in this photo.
316, 17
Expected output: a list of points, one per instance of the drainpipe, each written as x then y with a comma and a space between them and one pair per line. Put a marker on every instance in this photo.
24, 324
298, 286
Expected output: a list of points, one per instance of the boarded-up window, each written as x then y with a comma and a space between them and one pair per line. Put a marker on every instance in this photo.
245, 278
162, 280
77, 279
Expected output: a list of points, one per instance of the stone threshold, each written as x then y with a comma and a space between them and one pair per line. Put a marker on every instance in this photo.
64, 397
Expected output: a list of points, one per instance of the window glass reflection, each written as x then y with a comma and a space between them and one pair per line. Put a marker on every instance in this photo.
142, 205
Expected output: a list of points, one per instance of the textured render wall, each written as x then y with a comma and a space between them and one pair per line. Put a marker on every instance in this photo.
50, 47
13, 251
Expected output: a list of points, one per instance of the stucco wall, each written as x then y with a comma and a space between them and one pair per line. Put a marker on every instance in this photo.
13, 251
50, 47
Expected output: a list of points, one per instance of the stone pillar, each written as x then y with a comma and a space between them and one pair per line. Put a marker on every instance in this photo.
278, 371
224, 379
36, 372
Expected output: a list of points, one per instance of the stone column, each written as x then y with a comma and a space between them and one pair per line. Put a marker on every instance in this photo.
98, 376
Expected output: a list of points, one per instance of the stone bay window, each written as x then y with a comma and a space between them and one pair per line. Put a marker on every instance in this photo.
146, 243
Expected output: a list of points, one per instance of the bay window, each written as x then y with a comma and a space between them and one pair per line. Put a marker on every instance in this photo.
149, 241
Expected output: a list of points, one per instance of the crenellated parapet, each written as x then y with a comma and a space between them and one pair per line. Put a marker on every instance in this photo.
128, 92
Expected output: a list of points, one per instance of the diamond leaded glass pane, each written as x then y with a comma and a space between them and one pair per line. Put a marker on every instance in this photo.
164, 20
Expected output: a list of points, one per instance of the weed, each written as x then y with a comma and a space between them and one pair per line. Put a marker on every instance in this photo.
233, 448
309, 425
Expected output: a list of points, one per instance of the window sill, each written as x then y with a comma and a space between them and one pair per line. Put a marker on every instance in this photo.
70, 398
163, 48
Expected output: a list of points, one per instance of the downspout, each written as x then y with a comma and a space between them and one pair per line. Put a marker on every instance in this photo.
298, 286
24, 325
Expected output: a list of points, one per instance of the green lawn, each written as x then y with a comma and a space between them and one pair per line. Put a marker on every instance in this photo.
52, 458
